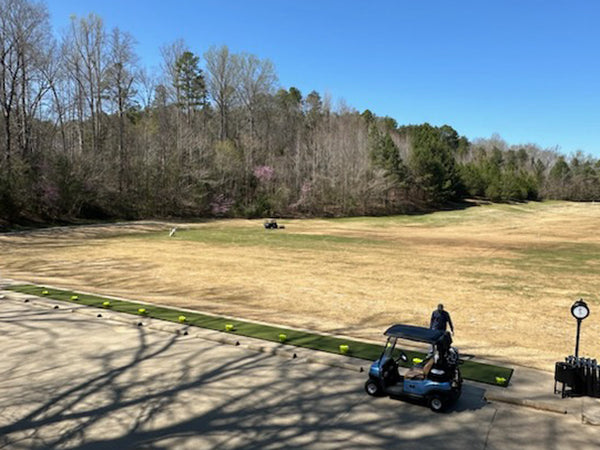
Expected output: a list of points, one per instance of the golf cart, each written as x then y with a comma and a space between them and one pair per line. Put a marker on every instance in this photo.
435, 380
271, 224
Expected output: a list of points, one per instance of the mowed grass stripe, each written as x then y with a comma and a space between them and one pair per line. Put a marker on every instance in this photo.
257, 237
484, 373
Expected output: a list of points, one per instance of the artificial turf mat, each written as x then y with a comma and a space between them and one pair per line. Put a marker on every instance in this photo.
471, 370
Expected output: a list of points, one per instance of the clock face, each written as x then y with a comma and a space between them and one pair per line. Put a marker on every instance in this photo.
580, 312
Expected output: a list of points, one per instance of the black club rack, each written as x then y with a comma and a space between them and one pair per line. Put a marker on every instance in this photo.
579, 376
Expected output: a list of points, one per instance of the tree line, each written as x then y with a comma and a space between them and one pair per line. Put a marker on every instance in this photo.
88, 132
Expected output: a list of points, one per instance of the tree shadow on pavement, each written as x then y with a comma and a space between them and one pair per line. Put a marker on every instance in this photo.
130, 387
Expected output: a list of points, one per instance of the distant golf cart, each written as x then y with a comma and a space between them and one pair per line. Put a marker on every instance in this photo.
271, 224
435, 380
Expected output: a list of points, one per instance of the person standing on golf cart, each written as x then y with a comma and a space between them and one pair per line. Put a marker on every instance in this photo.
440, 319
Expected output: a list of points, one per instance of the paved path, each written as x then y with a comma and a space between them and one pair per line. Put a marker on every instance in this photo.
72, 380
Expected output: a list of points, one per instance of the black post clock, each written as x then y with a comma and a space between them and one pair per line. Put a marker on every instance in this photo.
580, 311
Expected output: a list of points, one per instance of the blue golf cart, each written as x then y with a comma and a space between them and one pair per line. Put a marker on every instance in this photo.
436, 379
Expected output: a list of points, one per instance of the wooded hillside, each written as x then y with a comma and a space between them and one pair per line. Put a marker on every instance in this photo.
88, 132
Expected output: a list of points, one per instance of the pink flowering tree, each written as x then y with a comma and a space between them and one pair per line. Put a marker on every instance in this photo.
264, 173
221, 205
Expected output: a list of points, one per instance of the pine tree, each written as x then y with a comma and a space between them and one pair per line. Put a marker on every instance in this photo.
189, 83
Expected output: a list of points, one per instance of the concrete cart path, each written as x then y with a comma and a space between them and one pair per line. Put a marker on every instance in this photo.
71, 379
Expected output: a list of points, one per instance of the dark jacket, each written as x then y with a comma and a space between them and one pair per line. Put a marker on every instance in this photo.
440, 320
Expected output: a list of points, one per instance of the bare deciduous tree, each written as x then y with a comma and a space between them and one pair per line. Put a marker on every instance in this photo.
223, 81
25, 55
120, 79
85, 55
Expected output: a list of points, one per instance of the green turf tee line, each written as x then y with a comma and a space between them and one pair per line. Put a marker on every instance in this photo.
485, 373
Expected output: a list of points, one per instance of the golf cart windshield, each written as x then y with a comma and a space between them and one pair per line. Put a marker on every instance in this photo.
391, 351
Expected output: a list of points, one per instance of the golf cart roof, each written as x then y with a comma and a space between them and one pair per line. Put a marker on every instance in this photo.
413, 333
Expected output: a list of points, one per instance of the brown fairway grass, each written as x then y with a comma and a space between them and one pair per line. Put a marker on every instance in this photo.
507, 273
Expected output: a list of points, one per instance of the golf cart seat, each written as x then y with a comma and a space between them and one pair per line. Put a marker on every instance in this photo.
420, 371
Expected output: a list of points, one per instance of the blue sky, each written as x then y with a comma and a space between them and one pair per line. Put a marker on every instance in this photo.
528, 70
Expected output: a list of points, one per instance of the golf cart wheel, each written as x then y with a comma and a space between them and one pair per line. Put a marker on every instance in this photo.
436, 403
373, 389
